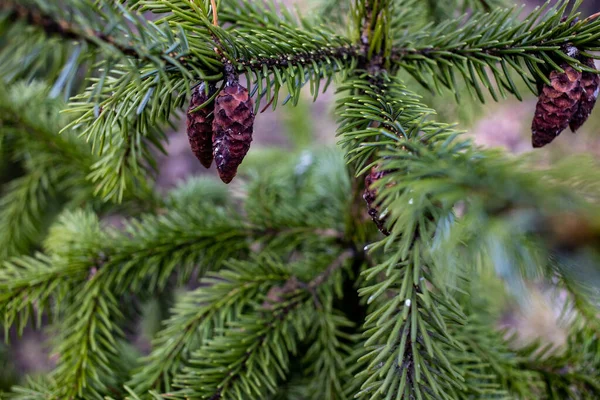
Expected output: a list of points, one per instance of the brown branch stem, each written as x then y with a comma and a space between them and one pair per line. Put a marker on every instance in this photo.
334, 266
215, 16
591, 17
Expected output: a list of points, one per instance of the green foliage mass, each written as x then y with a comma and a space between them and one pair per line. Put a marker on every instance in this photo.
280, 286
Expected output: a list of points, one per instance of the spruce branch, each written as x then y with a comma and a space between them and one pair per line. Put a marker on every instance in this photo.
28, 286
87, 350
32, 286
54, 166
244, 350
287, 58
138, 261
417, 219
22, 212
493, 199
285, 314
40, 388
498, 43
198, 315
62, 27
407, 334
326, 358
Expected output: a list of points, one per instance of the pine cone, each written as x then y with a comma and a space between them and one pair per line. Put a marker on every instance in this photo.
556, 105
199, 125
589, 83
370, 196
232, 129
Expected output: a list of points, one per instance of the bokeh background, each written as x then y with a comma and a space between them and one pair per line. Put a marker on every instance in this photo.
503, 124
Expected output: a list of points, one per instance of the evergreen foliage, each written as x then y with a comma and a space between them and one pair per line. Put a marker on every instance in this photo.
297, 295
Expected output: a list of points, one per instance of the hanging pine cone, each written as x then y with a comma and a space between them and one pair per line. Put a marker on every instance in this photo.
556, 105
370, 196
590, 84
199, 125
232, 128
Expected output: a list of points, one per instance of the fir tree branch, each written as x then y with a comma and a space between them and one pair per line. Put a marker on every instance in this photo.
326, 358
38, 284
491, 367
34, 389
407, 334
143, 258
498, 42
62, 27
26, 108
201, 313
87, 349
415, 217
239, 335
279, 301
243, 351
22, 211
28, 285
54, 166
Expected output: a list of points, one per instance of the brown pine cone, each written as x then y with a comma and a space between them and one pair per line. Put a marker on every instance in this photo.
589, 83
199, 125
232, 129
370, 196
556, 105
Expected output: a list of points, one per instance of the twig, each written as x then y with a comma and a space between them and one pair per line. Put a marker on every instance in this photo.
334, 266
215, 16
591, 17
277, 293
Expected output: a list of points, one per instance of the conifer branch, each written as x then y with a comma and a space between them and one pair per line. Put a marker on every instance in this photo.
22, 211
244, 362
28, 286
325, 358
499, 42
241, 281
54, 166
40, 388
200, 314
238, 335
87, 352
62, 27
402, 132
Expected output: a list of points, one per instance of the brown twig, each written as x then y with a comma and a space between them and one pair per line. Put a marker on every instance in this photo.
278, 293
591, 17
334, 266
215, 15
